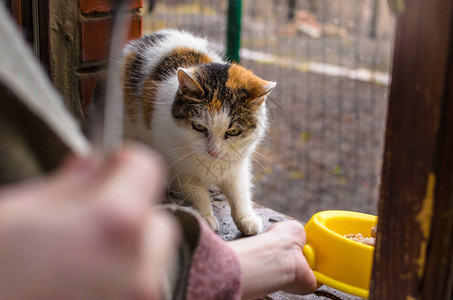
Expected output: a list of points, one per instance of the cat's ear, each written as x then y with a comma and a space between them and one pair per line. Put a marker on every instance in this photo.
258, 94
187, 82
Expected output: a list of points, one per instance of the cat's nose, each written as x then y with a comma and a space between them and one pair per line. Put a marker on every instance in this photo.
213, 153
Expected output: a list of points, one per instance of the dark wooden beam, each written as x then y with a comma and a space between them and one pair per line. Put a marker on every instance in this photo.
43, 12
415, 208
438, 277
15, 8
32, 18
21, 12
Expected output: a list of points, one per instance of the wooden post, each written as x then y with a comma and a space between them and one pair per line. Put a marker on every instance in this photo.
438, 276
413, 258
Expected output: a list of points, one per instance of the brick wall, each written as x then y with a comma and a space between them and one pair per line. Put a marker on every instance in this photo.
95, 24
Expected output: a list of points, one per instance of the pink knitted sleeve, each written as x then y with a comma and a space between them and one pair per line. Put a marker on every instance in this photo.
215, 273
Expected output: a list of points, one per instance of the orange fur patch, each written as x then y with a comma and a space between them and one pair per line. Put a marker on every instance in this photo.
239, 77
191, 57
215, 105
127, 89
148, 97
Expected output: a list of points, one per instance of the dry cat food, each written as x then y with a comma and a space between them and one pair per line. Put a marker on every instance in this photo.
358, 237
374, 231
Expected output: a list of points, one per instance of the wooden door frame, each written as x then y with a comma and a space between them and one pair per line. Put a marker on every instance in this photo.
32, 17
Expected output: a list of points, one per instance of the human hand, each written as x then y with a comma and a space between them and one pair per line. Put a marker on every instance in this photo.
87, 231
293, 239
274, 261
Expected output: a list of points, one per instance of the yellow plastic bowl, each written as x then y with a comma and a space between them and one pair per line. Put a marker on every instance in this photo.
337, 261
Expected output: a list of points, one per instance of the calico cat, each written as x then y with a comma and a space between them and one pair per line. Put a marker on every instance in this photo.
204, 115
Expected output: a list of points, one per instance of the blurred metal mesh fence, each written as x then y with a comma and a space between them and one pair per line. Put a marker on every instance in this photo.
331, 59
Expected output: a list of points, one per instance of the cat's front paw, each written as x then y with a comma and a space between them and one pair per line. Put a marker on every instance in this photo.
212, 222
250, 225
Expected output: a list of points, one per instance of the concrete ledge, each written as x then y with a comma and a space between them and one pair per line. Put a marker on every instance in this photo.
228, 230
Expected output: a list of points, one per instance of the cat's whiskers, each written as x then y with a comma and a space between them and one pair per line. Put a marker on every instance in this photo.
267, 159
180, 149
258, 184
263, 168
182, 157
190, 164
188, 161
260, 164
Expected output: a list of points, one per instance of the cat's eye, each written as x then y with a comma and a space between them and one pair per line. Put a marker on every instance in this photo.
198, 127
234, 132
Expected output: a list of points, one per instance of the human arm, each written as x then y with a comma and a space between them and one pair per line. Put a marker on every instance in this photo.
274, 261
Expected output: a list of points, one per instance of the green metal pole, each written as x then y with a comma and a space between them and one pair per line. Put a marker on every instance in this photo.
234, 30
